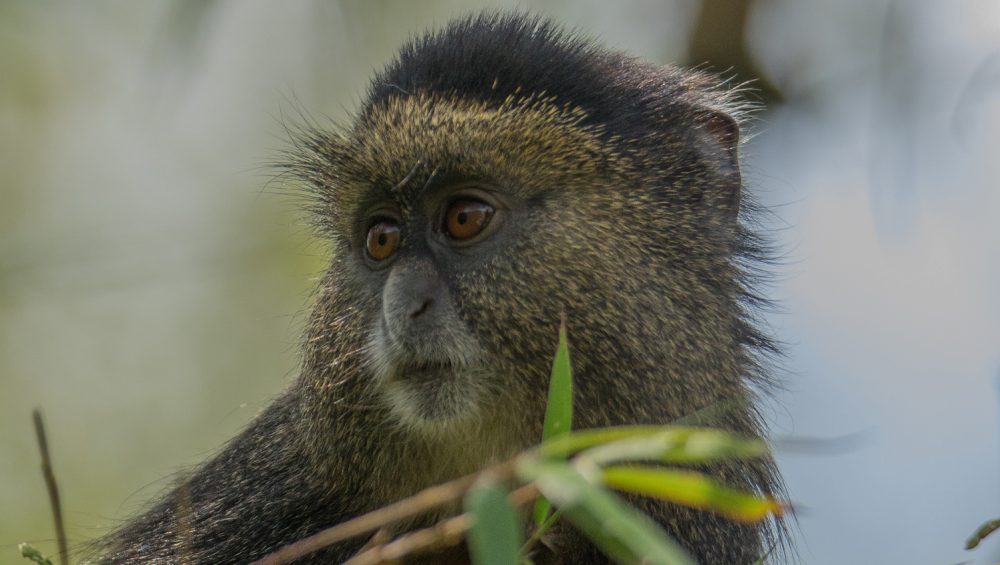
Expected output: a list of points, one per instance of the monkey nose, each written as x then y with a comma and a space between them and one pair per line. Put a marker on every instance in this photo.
415, 302
422, 307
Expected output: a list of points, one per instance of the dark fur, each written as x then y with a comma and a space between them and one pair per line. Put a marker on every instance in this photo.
632, 182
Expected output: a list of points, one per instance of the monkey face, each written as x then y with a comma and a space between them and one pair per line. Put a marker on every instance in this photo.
449, 232
422, 349
464, 230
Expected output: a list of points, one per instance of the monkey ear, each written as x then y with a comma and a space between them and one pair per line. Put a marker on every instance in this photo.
718, 139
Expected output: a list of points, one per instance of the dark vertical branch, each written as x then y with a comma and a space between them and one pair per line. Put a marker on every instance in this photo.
50, 483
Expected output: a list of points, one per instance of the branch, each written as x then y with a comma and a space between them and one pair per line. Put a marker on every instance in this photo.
445, 533
425, 500
52, 486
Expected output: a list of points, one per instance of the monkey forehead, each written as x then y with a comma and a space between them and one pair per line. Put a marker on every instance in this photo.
526, 143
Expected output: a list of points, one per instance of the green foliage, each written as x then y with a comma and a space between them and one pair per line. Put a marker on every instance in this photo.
495, 537
623, 533
982, 532
669, 444
690, 489
559, 409
31, 553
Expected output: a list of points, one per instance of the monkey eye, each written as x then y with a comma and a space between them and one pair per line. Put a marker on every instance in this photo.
466, 218
383, 237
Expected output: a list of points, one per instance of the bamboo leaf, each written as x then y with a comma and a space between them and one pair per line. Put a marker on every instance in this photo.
623, 533
564, 446
669, 444
679, 446
495, 537
692, 489
981, 533
559, 409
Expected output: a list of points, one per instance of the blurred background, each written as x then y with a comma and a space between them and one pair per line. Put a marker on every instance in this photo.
153, 281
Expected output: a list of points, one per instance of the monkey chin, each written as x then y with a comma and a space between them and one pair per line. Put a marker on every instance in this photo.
435, 383
436, 398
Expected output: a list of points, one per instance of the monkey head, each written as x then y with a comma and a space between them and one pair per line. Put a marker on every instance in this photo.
484, 189
501, 174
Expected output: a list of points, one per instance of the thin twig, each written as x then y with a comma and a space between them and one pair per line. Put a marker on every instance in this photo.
52, 486
446, 533
419, 503
981, 533
381, 537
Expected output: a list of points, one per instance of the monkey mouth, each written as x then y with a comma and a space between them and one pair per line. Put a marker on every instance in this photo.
423, 371
429, 394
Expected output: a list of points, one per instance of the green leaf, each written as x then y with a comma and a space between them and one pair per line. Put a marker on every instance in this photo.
559, 409
982, 532
495, 537
539, 532
621, 532
670, 444
679, 446
692, 489
30, 552
564, 446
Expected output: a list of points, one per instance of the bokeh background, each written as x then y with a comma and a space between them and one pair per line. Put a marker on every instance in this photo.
153, 280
